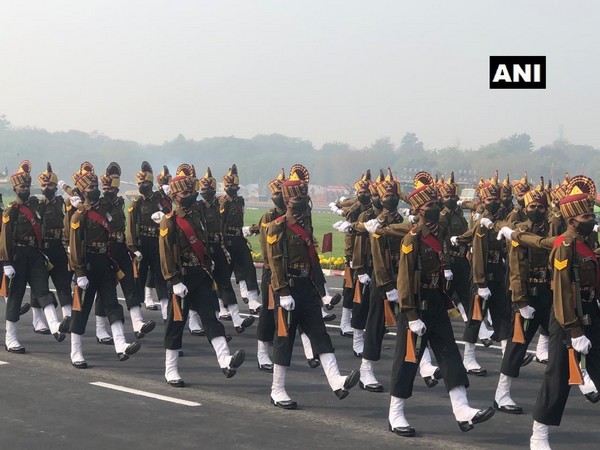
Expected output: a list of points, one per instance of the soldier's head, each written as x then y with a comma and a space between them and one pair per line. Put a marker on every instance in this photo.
183, 191
231, 182
275, 188
389, 192
21, 181
208, 186
536, 203
424, 200
363, 194
577, 207
448, 192
111, 180
145, 178
91, 191
489, 194
294, 190
48, 182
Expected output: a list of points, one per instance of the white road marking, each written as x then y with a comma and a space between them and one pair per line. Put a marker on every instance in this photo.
145, 394
3, 362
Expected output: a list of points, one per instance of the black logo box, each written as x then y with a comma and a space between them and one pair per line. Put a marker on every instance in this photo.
522, 61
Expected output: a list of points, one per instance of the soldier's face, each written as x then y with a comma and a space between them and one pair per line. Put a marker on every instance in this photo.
583, 223
23, 191
363, 196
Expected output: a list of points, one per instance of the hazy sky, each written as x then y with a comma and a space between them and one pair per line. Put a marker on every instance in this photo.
347, 70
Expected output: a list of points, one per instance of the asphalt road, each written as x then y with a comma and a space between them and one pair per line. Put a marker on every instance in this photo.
46, 403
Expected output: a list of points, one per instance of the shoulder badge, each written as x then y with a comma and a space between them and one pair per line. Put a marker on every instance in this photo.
168, 216
6, 218
75, 225
69, 207
164, 232
480, 235
376, 236
130, 209
560, 265
272, 239
515, 243
265, 224
406, 249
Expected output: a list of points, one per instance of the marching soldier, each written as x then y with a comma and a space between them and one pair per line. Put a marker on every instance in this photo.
89, 242
52, 214
423, 312
186, 265
520, 188
293, 259
488, 275
142, 235
575, 317
119, 252
21, 242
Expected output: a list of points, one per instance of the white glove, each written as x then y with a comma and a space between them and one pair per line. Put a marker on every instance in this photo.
83, 282
459, 203
448, 274
9, 271
405, 212
61, 184
527, 312
476, 216
485, 222
364, 278
413, 219
595, 228
334, 208
345, 227
157, 216
454, 241
505, 232
392, 295
74, 201
166, 189
339, 212
372, 225
581, 344
287, 302
138, 254
484, 293
180, 290
342, 198
246, 231
336, 226
417, 327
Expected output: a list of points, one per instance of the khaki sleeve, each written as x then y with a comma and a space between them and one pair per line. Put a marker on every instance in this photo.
275, 242
77, 244
467, 237
518, 269
561, 260
406, 276
479, 256
533, 240
382, 278
167, 249
5, 238
399, 230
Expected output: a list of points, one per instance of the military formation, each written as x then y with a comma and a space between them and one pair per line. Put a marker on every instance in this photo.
516, 262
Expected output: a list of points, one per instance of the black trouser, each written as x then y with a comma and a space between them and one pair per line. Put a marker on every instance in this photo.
360, 311
498, 304
440, 337
222, 274
461, 281
306, 314
60, 274
150, 261
204, 301
120, 254
348, 292
555, 389
515, 353
101, 275
241, 261
265, 330
30, 267
375, 326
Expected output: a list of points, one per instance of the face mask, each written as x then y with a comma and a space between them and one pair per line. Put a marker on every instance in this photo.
49, 193
93, 195
188, 201
507, 202
145, 189
391, 204
299, 206
521, 203
278, 201
232, 192
585, 228
376, 202
24, 196
450, 204
109, 195
536, 216
432, 214
493, 207
364, 199
208, 195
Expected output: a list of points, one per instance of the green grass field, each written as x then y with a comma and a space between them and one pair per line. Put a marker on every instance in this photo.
322, 222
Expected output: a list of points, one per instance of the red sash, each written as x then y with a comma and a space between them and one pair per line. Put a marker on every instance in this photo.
95, 217
432, 242
37, 229
312, 252
195, 243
